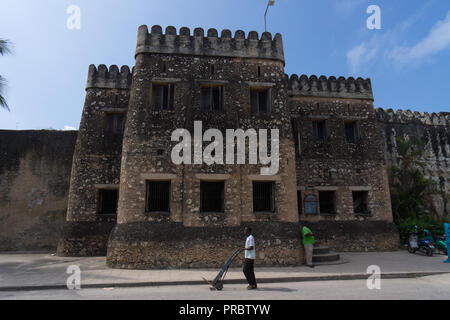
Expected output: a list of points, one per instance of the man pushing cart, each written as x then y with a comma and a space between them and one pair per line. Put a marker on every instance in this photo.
248, 268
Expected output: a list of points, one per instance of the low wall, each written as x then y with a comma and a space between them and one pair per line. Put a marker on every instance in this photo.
171, 245
357, 236
34, 183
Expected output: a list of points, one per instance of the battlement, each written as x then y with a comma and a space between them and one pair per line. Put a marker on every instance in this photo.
329, 87
109, 79
406, 117
184, 43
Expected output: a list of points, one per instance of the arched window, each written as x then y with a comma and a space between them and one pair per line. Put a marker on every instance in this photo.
310, 204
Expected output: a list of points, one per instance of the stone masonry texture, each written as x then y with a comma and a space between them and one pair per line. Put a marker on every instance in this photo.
309, 166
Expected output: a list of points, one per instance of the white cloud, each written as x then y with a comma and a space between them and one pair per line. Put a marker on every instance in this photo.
385, 46
362, 54
437, 40
69, 128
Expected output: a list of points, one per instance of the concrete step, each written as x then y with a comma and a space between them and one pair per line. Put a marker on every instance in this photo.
321, 250
327, 257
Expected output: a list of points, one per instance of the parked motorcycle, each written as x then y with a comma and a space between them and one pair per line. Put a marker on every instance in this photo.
422, 245
439, 242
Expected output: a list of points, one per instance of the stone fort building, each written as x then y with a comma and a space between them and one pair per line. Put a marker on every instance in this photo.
129, 200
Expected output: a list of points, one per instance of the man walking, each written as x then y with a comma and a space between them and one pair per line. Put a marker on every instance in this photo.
308, 243
250, 257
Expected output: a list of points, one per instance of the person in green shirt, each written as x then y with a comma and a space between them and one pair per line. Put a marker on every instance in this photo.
308, 243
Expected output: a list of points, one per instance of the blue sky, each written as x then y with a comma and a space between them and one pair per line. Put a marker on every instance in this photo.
408, 60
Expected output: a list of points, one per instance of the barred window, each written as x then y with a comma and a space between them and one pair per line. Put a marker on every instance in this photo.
158, 196
263, 197
261, 101
211, 196
320, 129
108, 201
115, 123
326, 202
162, 96
352, 131
360, 202
212, 98
299, 202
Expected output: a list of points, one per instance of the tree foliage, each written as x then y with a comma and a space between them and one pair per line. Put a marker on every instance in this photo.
410, 189
5, 48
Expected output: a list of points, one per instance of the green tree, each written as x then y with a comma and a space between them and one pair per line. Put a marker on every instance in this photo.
5, 48
410, 190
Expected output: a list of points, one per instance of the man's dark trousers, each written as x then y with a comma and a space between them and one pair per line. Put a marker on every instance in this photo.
249, 271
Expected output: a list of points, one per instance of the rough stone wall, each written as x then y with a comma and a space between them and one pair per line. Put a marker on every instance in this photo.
34, 184
96, 162
433, 130
149, 130
357, 236
357, 166
146, 245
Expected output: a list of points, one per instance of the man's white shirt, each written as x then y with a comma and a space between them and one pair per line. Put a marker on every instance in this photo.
250, 242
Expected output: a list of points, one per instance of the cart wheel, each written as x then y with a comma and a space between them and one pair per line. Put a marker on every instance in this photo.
219, 286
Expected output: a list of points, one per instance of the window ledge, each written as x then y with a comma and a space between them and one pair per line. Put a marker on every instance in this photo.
366, 215
157, 213
212, 212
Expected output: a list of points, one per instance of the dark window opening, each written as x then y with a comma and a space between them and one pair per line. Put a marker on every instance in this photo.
163, 67
360, 202
159, 152
259, 71
212, 98
320, 129
115, 123
162, 96
116, 99
351, 131
212, 69
211, 196
108, 201
299, 202
260, 100
263, 197
326, 202
158, 196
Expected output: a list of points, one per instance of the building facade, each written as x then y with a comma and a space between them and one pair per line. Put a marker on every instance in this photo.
129, 200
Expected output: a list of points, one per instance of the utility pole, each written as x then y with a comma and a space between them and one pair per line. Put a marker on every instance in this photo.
270, 3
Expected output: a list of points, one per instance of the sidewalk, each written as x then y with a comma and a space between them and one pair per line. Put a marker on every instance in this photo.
40, 271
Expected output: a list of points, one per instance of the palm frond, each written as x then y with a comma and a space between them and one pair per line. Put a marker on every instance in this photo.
3, 103
5, 47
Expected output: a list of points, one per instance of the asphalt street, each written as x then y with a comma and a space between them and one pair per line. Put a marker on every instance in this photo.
428, 288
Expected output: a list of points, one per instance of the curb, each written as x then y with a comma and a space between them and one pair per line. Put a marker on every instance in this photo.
341, 277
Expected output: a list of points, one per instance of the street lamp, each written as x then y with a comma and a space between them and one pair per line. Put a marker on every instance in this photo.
270, 3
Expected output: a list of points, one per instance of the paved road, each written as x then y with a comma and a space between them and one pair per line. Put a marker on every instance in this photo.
18, 270
433, 287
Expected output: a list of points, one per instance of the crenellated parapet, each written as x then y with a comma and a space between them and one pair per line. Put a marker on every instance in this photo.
329, 87
404, 117
109, 79
226, 45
